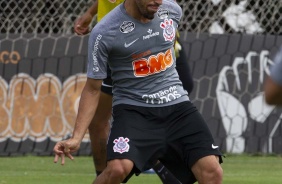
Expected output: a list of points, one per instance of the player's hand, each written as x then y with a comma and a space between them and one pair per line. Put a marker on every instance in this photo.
65, 148
81, 25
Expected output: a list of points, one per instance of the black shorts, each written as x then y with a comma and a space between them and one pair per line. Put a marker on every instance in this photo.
177, 135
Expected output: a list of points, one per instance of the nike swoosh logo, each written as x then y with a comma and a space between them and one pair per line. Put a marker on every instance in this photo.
214, 147
128, 44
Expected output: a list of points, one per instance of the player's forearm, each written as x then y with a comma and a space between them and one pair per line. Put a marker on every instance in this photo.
87, 108
93, 9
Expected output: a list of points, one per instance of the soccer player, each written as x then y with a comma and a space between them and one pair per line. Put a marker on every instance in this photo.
99, 127
273, 84
153, 118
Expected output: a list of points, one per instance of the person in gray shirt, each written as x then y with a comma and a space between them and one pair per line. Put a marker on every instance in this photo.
273, 83
153, 118
100, 125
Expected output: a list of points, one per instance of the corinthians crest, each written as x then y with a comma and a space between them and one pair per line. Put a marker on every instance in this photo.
169, 30
121, 145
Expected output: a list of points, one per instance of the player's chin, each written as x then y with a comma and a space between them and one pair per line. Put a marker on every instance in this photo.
150, 16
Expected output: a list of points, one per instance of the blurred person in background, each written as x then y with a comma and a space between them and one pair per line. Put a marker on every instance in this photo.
273, 83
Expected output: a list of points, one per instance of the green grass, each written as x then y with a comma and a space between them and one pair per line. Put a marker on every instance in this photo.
241, 169
252, 169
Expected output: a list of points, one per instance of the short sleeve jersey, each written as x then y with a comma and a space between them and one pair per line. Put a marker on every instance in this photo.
140, 55
276, 69
105, 6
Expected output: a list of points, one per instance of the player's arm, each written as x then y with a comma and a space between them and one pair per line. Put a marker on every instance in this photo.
81, 25
273, 92
87, 108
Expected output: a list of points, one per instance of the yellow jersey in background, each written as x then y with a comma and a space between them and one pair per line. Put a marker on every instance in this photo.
105, 6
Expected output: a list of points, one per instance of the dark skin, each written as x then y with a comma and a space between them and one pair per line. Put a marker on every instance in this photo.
143, 11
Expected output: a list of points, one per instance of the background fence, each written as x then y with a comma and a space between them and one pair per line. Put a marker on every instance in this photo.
230, 45
214, 16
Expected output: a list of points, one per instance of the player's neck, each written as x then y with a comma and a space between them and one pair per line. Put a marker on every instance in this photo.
132, 10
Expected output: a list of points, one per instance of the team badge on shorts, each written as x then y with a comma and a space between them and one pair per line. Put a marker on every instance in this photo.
169, 30
121, 145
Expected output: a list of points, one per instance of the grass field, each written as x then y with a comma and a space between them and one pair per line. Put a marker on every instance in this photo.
241, 169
